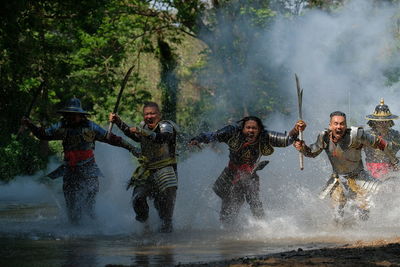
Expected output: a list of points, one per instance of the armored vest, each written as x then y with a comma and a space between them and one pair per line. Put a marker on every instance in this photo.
81, 137
244, 153
155, 151
345, 156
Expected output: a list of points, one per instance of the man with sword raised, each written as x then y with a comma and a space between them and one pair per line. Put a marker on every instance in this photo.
349, 181
248, 141
80, 172
156, 177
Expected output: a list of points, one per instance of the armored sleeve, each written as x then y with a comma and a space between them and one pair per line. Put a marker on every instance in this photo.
361, 137
101, 136
278, 139
316, 148
125, 129
50, 133
395, 141
99, 132
221, 135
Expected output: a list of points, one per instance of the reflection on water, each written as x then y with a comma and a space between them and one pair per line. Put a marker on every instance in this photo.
34, 230
34, 235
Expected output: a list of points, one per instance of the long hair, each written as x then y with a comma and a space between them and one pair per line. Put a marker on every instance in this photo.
252, 118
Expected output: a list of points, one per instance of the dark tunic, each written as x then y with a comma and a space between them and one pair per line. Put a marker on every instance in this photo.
239, 181
80, 171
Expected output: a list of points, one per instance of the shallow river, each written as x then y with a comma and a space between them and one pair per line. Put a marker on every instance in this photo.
34, 230
34, 235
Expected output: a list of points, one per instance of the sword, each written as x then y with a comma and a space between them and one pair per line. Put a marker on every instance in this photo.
300, 103
28, 111
123, 84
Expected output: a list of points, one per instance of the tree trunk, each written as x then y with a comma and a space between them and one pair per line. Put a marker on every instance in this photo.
168, 80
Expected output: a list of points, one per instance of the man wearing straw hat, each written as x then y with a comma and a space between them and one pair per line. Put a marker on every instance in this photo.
378, 163
80, 172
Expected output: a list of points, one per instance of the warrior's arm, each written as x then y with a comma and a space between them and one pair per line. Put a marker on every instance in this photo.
362, 137
101, 136
278, 139
314, 149
222, 135
396, 142
126, 129
45, 133
376, 142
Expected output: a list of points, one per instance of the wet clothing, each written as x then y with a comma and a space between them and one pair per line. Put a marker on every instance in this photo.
80, 171
156, 176
349, 181
239, 182
377, 162
80, 187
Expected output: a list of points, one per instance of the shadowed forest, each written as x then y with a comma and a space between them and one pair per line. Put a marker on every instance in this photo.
205, 62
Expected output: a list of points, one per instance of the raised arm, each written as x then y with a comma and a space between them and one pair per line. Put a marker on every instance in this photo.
314, 149
114, 140
222, 135
278, 139
53, 132
128, 131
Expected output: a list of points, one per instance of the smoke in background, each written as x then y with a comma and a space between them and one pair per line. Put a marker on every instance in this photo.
340, 59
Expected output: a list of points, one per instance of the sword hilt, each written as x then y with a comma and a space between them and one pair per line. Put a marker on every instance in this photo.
109, 129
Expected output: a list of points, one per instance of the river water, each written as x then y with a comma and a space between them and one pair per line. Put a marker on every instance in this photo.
34, 230
34, 234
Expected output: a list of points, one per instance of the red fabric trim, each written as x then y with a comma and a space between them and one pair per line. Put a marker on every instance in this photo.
75, 156
239, 170
377, 170
382, 143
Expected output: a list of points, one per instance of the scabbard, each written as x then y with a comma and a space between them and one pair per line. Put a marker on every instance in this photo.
260, 165
60, 171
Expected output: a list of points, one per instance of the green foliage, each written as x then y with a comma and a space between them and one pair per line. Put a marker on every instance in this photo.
84, 48
20, 151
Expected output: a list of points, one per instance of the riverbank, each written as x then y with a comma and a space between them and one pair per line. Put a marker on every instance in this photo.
374, 253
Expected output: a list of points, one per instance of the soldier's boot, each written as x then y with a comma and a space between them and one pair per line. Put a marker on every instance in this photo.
165, 204
141, 208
